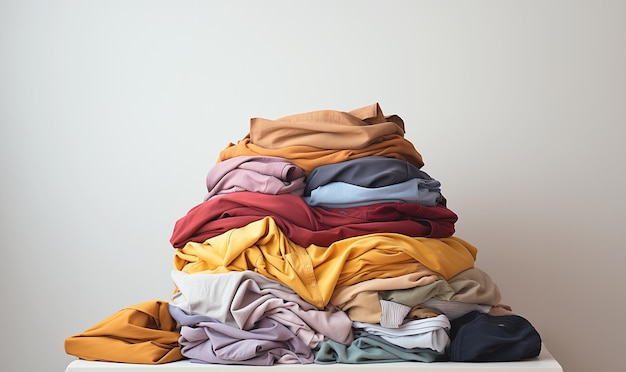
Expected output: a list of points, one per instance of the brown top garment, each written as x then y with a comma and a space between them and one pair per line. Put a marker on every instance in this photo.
327, 137
327, 129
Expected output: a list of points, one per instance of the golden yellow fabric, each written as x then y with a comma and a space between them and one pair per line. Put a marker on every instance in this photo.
144, 333
314, 271
309, 157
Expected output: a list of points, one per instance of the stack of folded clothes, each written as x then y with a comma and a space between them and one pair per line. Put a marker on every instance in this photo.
320, 240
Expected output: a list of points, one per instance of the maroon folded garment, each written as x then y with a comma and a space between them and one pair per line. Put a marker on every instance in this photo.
306, 225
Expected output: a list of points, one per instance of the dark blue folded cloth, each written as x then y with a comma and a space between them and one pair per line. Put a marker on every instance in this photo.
480, 337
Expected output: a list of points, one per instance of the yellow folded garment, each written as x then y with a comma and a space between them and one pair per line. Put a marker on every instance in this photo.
314, 271
144, 333
310, 157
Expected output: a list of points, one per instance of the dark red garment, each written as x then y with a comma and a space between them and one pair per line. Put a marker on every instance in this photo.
306, 225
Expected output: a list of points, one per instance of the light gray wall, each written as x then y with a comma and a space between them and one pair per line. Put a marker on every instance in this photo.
112, 112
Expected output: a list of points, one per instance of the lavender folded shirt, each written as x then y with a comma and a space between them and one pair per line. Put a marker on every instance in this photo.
247, 296
265, 174
203, 339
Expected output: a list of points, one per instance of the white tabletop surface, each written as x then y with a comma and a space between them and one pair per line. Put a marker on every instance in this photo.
544, 363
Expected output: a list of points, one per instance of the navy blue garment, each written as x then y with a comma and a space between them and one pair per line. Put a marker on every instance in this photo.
369, 171
480, 337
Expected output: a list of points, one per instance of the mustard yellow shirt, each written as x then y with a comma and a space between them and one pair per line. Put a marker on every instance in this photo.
314, 271
144, 333
310, 157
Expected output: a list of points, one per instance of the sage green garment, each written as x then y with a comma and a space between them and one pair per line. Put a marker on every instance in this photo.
367, 348
411, 297
472, 286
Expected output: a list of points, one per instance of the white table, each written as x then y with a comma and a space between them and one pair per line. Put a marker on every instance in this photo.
544, 363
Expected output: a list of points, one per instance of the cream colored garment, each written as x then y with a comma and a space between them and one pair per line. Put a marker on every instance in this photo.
361, 301
422, 276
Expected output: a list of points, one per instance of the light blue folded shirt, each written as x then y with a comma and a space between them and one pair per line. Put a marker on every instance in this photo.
345, 195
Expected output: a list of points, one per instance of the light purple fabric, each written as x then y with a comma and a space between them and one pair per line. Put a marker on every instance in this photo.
265, 174
246, 297
203, 339
307, 322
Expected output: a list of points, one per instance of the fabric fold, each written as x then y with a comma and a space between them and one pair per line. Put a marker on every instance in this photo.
330, 129
313, 272
263, 174
310, 157
144, 333
306, 225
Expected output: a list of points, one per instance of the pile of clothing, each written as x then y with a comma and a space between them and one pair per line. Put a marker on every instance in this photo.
320, 240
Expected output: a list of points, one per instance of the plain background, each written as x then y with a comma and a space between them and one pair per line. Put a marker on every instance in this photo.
112, 112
